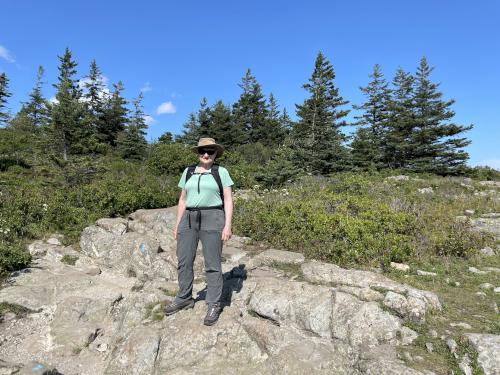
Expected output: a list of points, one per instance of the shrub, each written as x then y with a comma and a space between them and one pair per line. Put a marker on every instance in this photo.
484, 173
351, 218
170, 159
13, 256
30, 208
281, 169
328, 226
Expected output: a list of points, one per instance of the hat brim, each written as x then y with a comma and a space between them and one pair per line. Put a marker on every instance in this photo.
220, 149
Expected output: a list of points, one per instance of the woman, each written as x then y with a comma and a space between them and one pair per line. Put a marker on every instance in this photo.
204, 213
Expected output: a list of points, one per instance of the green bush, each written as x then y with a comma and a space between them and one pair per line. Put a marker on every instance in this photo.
242, 172
13, 256
484, 173
329, 226
30, 208
170, 159
362, 219
279, 170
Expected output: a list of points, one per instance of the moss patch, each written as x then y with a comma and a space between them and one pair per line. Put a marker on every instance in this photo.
19, 310
69, 259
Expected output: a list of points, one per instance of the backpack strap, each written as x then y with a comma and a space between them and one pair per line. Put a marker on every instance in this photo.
215, 173
190, 171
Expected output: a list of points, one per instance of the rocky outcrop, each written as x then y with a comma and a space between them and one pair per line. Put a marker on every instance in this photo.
489, 223
410, 303
103, 314
488, 350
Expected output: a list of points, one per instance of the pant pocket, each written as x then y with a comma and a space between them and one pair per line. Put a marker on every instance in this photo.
213, 220
183, 224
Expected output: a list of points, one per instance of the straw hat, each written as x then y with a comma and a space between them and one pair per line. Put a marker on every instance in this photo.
208, 142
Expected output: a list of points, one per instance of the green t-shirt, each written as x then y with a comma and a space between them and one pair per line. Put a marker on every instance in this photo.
209, 194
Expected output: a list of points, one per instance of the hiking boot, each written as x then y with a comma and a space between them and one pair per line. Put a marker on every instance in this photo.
212, 316
178, 306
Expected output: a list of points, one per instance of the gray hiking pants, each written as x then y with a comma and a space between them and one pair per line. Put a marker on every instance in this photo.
204, 225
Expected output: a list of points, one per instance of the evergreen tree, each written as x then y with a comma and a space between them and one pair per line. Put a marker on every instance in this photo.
362, 146
275, 131
18, 142
401, 124
286, 122
203, 120
436, 145
223, 129
166, 138
250, 111
190, 134
114, 117
132, 142
369, 144
317, 137
37, 109
198, 125
4, 94
68, 133
95, 97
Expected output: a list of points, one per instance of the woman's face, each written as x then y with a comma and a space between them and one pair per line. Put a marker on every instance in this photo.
207, 154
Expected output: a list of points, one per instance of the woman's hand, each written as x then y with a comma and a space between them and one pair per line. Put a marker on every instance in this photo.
226, 233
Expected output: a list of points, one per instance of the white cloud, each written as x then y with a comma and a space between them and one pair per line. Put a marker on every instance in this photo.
147, 87
167, 107
149, 120
175, 95
6, 55
53, 100
493, 163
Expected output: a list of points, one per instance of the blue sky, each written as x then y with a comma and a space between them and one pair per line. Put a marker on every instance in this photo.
179, 52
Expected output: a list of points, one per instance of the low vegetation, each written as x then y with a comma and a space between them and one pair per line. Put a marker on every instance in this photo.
69, 259
66, 199
464, 302
367, 219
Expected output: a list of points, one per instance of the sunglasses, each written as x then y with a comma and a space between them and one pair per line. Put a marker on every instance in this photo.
209, 151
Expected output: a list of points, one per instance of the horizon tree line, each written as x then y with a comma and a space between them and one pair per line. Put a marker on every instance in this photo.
403, 124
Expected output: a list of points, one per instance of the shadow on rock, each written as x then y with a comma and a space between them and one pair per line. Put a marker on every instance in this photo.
232, 282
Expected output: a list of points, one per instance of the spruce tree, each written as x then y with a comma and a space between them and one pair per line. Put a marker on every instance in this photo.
166, 138
362, 146
250, 111
369, 144
114, 117
223, 129
203, 119
95, 96
132, 142
67, 128
4, 94
37, 108
275, 131
316, 135
31, 123
401, 124
286, 122
190, 134
437, 147
18, 142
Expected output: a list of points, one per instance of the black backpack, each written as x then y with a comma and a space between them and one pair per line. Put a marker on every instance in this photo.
214, 172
